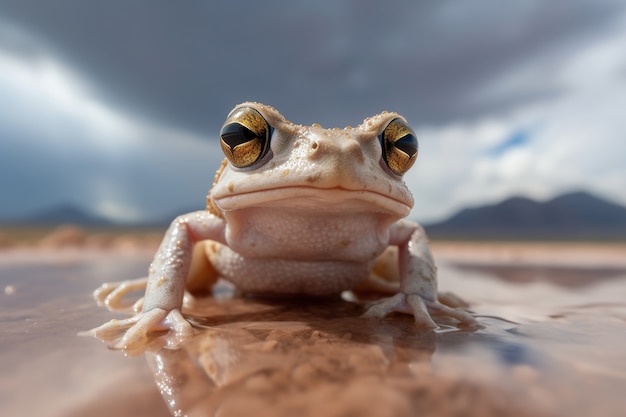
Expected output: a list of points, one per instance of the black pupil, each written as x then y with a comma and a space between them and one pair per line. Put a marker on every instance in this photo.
235, 134
407, 144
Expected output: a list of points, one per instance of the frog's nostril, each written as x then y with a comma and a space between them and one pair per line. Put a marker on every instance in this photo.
316, 149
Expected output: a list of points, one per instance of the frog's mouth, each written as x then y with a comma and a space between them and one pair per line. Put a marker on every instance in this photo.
318, 199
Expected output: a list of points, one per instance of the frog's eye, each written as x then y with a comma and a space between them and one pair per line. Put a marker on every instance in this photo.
399, 146
245, 137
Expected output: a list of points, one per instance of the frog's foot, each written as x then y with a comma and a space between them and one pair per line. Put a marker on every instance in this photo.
111, 294
452, 300
135, 334
420, 308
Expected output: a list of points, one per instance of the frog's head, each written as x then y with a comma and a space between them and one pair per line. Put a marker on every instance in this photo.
271, 162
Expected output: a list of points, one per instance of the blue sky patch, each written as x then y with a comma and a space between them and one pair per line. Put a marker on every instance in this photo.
516, 139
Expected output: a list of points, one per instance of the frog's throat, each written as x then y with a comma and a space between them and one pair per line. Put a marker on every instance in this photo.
319, 199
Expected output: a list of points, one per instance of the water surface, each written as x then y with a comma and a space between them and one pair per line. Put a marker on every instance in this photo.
552, 344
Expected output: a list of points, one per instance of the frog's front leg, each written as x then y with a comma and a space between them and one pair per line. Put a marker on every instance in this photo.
165, 286
418, 280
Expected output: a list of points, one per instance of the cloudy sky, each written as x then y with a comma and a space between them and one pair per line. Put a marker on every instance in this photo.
115, 106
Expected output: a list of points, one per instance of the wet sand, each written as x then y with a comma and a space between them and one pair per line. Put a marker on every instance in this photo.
552, 343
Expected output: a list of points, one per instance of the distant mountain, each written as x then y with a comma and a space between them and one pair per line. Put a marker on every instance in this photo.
576, 215
62, 214
71, 214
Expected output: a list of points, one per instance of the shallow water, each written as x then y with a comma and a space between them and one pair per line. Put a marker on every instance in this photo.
552, 344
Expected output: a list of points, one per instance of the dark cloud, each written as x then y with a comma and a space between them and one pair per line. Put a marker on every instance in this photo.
143, 184
332, 62
158, 71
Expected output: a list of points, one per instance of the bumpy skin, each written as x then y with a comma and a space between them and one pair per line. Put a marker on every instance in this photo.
313, 217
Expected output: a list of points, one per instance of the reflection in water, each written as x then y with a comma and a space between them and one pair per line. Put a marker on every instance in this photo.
560, 351
313, 358
284, 358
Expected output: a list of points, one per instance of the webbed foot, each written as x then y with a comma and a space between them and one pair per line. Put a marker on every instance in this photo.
135, 334
420, 308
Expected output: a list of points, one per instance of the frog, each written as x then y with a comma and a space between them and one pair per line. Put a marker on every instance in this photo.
293, 210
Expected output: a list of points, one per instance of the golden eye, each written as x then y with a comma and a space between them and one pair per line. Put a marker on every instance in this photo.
245, 137
399, 145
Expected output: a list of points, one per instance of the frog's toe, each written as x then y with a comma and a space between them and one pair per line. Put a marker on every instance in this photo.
103, 291
452, 300
420, 311
138, 306
402, 303
381, 308
136, 334
420, 308
181, 330
111, 295
149, 328
458, 314
113, 330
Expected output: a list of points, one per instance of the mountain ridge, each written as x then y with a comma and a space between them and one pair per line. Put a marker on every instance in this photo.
61, 214
76, 215
575, 215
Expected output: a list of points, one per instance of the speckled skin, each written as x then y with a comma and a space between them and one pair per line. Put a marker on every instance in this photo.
312, 219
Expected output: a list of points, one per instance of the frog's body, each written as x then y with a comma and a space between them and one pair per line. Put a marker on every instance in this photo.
295, 210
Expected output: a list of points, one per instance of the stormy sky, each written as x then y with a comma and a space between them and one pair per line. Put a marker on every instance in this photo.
114, 106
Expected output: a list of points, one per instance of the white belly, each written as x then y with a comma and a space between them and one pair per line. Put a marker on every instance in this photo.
280, 276
308, 235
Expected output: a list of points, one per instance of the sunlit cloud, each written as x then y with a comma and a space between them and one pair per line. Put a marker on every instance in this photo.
47, 95
539, 149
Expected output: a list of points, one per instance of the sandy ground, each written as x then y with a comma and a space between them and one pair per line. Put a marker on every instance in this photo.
552, 343
566, 254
